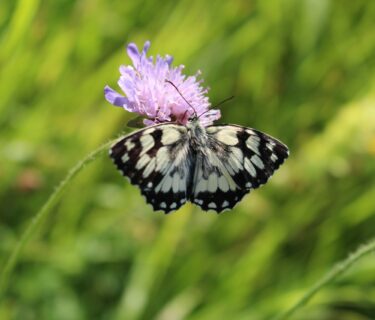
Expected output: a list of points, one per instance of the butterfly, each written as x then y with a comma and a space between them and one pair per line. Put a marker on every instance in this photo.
212, 167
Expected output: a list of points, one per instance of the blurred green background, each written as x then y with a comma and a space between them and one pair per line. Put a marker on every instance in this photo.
302, 71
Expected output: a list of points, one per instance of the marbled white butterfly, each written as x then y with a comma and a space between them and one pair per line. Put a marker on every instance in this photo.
213, 167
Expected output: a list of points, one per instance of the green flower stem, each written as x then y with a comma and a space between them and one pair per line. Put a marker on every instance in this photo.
336, 271
43, 213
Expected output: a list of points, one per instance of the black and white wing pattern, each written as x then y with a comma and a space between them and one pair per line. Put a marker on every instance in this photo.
213, 167
234, 160
158, 160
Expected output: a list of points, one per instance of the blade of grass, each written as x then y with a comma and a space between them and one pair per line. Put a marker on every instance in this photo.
336, 271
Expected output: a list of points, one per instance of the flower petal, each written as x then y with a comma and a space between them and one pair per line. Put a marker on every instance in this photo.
146, 47
114, 97
169, 59
133, 53
148, 94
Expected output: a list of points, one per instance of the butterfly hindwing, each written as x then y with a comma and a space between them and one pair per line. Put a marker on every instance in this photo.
235, 160
214, 187
158, 160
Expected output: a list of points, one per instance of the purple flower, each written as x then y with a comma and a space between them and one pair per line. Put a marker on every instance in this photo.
148, 94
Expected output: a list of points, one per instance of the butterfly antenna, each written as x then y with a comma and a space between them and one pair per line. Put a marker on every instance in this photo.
222, 102
171, 83
215, 106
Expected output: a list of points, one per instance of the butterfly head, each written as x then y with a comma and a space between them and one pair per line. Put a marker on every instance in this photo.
193, 118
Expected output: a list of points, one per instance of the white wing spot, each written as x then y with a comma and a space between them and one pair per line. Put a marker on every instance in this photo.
170, 136
250, 168
149, 185
212, 182
176, 182
129, 145
223, 184
150, 167
248, 184
227, 136
142, 162
201, 186
234, 164
182, 184
257, 161
229, 168
213, 129
270, 145
147, 143
166, 184
225, 204
125, 158
212, 205
237, 153
274, 157
162, 160
173, 205
252, 143
163, 205
149, 131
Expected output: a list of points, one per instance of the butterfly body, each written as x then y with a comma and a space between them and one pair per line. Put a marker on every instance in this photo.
213, 167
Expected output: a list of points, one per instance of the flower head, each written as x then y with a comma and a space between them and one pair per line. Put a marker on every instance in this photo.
148, 92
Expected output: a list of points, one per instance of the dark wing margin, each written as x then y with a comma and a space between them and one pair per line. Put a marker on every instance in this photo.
158, 160
236, 160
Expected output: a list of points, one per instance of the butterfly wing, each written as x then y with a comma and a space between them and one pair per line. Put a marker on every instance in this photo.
158, 159
235, 160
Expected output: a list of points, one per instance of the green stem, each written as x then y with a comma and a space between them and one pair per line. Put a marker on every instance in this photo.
43, 213
336, 271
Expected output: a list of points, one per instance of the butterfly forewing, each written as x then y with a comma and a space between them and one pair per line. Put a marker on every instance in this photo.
236, 160
255, 154
157, 159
